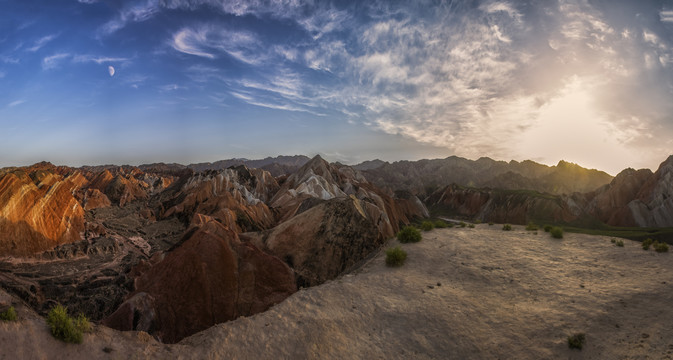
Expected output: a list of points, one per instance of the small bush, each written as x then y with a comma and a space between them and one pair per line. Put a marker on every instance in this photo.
507, 227
576, 341
613, 240
450, 225
427, 226
531, 227
547, 228
660, 247
471, 226
8, 315
462, 224
395, 256
64, 327
477, 221
647, 243
556, 232
619, 243
490, 223
441, 224
409, 234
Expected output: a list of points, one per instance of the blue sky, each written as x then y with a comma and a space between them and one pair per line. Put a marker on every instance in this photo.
95, 81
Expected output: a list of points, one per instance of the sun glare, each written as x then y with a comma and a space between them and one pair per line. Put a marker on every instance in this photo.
569, 127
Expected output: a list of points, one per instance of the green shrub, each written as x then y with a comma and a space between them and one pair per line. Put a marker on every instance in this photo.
395, 256
441, 224
619, 243
660, 247
8, 315
613, 240
507, 227
409, 234
427, 226
556, 232
531, 227
576, 341
647, 243
64, 327
490, 223
462, 224
477, 221
471, 226
547, 228
450, 225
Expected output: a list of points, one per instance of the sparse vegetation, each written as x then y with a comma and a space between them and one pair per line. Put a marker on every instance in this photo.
613, 240
64, 327
647, 243
547, 228
471, 226
462, 224
531, 227
619, 243
395, 256
507, 227
576, 341
427, 225
660, 247
490, 223
8, 315
441, 224
409, 234
556, 232
477, 221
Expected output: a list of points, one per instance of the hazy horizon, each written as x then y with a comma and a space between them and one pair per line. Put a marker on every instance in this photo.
188, 81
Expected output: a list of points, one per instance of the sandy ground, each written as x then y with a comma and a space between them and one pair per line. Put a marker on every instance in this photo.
463, 294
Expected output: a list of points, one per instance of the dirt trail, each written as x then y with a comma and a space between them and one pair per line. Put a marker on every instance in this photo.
463, 294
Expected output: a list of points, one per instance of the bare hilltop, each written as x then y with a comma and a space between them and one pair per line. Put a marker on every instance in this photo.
463, 293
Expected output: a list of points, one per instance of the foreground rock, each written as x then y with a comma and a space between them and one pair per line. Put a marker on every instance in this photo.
212, 277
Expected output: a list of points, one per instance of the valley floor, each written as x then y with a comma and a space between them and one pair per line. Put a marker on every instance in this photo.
463, 293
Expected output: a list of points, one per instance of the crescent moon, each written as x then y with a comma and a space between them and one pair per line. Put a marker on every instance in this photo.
111, 70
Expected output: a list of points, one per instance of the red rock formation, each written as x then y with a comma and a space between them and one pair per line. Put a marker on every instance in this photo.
610, 204
212, 277
38, 210
94, 199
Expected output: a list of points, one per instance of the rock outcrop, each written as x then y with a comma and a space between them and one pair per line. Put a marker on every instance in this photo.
211, 277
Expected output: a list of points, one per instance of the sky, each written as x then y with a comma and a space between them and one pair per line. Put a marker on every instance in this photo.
132, 82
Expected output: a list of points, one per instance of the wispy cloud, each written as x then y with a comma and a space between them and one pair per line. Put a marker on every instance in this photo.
666, 15
15, 103
53, 61
131, 13
99, 59
211, 41
42, 42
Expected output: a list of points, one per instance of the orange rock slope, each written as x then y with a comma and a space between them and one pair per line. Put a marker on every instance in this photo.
38, 210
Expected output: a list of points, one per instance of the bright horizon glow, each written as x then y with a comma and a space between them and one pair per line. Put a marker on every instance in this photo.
188, 81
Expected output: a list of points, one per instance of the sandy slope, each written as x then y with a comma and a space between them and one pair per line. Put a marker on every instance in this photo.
507, 295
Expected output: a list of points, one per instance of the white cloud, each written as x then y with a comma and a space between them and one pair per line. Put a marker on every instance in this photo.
51, 62
41, 42
135, 13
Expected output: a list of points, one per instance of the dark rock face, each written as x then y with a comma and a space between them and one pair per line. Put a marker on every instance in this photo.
503, 206
211, 277
427, 176
324, 241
